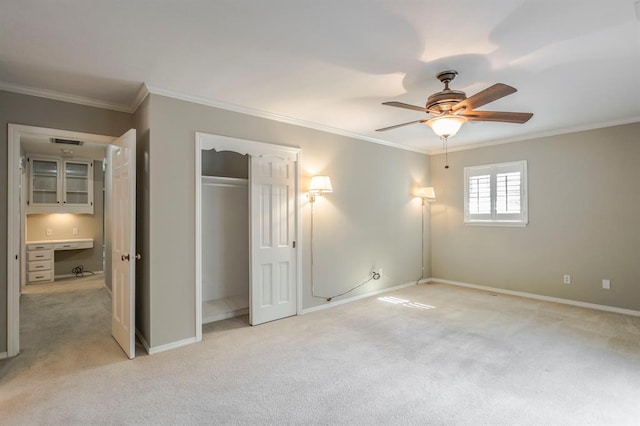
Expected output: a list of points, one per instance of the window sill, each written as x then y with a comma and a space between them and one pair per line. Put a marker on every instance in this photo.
495, 223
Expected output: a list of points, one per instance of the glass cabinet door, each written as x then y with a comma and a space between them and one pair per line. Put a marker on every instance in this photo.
76, 179
44, 184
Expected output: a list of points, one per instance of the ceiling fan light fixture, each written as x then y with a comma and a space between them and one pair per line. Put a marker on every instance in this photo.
446, 125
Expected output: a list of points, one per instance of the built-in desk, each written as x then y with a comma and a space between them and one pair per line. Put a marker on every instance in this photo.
40, 256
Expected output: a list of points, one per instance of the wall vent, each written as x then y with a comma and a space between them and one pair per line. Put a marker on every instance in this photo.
66, 142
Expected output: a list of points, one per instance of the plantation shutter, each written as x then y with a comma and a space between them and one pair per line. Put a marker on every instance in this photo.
478, 193
509, 191
496, 193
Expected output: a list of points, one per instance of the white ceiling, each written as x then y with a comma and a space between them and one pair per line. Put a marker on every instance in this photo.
329, 64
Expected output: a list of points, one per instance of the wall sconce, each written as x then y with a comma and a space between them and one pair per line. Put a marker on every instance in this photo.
427, 193
319, 185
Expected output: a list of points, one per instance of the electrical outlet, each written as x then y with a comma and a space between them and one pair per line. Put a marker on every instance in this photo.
75, 231
606, 284
566, 279
49, 232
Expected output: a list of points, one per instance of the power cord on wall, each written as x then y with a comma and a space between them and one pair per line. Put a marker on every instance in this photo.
79, 271
374, 275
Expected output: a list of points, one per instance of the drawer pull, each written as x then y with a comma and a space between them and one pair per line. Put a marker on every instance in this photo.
39, 277
39, 266
66, 245
39, 255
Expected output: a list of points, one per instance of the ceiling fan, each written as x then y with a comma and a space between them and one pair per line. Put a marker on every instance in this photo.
450, 109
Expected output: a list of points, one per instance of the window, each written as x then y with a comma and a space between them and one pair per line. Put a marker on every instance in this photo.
496, 194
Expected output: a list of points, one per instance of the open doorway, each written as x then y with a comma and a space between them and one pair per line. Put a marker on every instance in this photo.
254, 196
63, 202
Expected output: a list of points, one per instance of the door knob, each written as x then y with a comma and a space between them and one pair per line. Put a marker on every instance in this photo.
138, 256
125, 257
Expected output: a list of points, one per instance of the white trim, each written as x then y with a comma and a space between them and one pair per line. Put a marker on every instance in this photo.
13, 242
143, 341
139, 99
64, 97
275, 117
299, 236
3, 355
209, 141
539, 135
540, 297
173, 345
359, 297
198, 238
15, 132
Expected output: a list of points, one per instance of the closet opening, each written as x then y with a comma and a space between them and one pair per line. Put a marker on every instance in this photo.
225, 235
247, 228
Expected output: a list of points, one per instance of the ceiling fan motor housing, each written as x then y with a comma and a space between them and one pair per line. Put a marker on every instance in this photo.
441, 102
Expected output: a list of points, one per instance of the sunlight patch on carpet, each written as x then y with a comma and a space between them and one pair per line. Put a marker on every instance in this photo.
405, 302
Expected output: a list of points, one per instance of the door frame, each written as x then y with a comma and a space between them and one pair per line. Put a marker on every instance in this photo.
15, 228
208, 141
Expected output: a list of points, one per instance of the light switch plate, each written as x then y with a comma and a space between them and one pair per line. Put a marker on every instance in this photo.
75, 231
49, 232
606, 284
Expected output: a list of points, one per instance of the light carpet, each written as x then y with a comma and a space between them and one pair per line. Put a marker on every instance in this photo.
429, 354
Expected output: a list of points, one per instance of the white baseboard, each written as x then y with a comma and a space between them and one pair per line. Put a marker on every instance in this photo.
109, 291
173, 345
359, 297
3, 355
540, 297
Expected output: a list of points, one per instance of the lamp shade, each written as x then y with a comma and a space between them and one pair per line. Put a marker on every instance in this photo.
320, 184
446, 125
426, 192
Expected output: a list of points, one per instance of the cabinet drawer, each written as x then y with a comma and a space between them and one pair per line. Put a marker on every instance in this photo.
39, 255
31, 247
39, 276
40, 265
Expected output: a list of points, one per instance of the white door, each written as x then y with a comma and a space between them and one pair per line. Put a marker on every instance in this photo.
122, 160
272, 206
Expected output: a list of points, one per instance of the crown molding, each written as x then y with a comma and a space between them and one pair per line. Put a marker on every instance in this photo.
275, 117
539, 135
64, 97
142, 94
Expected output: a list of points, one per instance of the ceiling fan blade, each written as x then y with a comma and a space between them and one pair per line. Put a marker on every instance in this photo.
400, 125
406, 106
485, 96
505, 117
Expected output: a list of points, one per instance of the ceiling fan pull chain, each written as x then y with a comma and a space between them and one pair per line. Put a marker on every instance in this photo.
446, 152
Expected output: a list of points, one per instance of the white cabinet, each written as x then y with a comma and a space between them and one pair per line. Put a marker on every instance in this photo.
59, 185
39, 263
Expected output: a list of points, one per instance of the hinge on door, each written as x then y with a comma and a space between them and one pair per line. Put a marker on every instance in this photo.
294, 244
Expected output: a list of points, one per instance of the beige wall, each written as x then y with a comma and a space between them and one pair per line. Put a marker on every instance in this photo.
584, 205
89, 226
370, 219
34, 111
